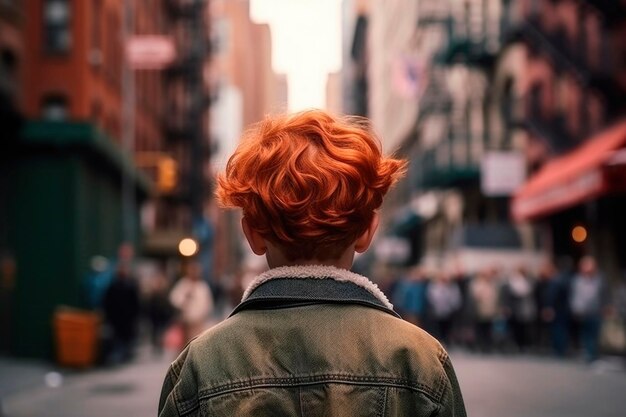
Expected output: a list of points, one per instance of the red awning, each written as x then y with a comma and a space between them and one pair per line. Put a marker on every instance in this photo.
595, 168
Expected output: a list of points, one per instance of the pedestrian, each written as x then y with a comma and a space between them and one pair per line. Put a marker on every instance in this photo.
588, 302
463, 323
444, 298
616, 331
159, 310
519, 306
545, 316
103, 272
192, 298
311, 337
557, 310
97, 281
410, 295
121, 307
484, 293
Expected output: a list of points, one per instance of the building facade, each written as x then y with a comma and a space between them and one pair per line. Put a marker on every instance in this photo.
96, 162
432, 98
181, 166
334, 103
518, 130
571, 108
11, 119
247, 89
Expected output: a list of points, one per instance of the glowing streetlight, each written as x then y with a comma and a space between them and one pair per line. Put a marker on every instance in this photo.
188, 247
579, 234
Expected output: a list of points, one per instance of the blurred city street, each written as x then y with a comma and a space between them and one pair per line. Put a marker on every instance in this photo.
29, 389
504, 239
520, 386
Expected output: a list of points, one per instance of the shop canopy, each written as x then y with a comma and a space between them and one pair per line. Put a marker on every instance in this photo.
596, 168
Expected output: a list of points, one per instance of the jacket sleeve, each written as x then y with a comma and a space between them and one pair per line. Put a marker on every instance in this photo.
167, 405
168, 402
452, 404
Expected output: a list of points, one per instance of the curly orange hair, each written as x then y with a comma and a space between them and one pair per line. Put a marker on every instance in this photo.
309, 182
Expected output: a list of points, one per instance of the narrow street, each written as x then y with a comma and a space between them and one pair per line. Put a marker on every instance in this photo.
130, 390
493, 386
524, 386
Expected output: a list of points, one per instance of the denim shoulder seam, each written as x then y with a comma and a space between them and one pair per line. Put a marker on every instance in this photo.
297, 381
175, 369
443, 380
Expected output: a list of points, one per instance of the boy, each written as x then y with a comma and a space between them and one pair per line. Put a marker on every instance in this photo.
310, 337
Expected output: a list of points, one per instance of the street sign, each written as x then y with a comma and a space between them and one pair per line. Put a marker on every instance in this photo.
502, 173
150, 52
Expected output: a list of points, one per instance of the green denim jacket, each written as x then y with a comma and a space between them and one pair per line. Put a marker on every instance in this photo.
312, 341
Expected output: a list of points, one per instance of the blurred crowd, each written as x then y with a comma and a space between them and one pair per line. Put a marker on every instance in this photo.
168, 310
563, 310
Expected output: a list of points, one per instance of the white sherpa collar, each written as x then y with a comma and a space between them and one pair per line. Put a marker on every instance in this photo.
318, 272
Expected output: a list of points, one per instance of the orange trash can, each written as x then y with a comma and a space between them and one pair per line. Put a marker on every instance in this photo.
76, 335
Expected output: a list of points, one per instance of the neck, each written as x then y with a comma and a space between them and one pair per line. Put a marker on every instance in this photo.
276, 259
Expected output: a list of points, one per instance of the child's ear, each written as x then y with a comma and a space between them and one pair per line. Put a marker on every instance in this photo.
364, 241
255, 240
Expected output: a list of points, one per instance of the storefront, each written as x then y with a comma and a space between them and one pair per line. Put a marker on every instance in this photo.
581, 199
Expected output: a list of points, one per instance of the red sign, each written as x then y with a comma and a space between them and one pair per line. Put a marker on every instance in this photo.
593, 169
576, 190
150, 52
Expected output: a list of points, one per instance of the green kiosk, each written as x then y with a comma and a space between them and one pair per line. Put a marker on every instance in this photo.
61, 191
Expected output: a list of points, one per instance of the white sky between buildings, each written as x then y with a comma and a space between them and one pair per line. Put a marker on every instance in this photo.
306, 45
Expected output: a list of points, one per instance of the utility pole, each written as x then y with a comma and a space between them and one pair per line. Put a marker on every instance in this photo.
128, 126
196, 89
202, 227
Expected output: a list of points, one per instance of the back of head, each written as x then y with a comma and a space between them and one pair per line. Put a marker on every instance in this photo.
308, 182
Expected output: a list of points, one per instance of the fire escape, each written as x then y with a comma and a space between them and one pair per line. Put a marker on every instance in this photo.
452, 160
571, 57
188, 101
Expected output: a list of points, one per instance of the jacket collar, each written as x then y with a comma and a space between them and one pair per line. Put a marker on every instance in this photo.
312, 284
318, 272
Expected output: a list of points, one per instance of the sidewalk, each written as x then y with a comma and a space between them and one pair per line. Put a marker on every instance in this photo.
18, 375
28, 388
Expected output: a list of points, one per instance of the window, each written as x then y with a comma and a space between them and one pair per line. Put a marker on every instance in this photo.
95, 54
8, 63
10, 3
595, 111
96, 28
221, 35
96, 112
54, 107
57, 28
535, 105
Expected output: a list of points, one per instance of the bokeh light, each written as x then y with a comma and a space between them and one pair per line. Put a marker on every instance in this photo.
579, 234
188, 247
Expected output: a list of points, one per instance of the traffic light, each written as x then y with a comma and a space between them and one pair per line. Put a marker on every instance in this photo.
167, 177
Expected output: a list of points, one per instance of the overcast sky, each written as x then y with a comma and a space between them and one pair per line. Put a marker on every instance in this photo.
306, 44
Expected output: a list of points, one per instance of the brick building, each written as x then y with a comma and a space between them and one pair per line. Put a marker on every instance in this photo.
11, 62
247, 89
73, 66
568, 102
74, 187
430, 65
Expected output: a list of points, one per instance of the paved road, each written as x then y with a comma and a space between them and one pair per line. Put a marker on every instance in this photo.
492, 386
130, 390
540, 387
